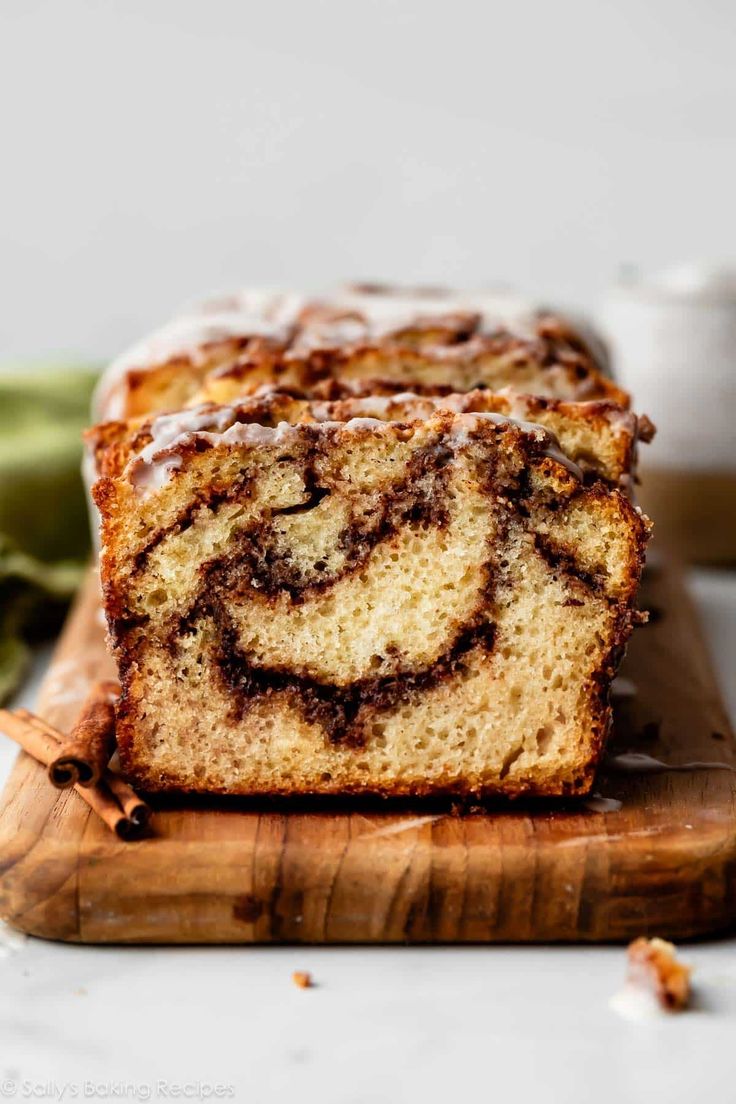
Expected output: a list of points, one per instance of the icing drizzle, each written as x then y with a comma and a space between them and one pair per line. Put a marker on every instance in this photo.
153, 466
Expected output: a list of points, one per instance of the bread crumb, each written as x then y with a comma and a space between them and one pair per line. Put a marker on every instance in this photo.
653, 964
302, 979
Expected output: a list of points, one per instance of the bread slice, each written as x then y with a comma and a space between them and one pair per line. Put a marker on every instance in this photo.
411, 607
453, 340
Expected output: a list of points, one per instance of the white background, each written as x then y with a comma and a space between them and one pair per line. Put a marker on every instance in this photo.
154, 149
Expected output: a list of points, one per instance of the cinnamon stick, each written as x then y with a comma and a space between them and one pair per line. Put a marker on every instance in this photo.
39, 743
135, 809
102, 801
132, 805
85, 753
126, 815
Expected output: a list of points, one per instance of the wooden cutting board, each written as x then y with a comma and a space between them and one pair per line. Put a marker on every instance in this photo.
236, 872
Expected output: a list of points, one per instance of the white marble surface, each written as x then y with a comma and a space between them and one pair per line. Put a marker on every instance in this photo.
382, 1025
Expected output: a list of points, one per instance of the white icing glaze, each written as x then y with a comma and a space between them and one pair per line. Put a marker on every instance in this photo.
619, 419
637, 762
637, 1003
381, 404
187, 335
151, 469
552, 445
328, 333
396, 827
152, 475
153, 466
520, 406
363, 423
425, 406
168, 428
504, 419
393, 310
597, 803
251, 433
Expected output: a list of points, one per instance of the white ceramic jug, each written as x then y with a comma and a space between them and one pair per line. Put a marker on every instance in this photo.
673, 345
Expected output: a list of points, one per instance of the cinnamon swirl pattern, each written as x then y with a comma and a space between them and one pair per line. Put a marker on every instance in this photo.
310, 604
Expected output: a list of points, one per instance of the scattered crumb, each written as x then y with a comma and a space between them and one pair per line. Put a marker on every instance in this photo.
654, 962
657, 983
302, 979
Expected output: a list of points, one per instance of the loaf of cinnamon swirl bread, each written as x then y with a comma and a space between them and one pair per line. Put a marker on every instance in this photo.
403, 596
425, 340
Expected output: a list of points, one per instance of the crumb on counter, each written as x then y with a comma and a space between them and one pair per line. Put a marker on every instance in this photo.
653, 964
302, 979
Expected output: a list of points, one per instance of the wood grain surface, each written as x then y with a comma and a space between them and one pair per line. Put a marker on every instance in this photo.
238, 872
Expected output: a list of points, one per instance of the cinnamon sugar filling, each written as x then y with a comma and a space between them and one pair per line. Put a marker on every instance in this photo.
343, 712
